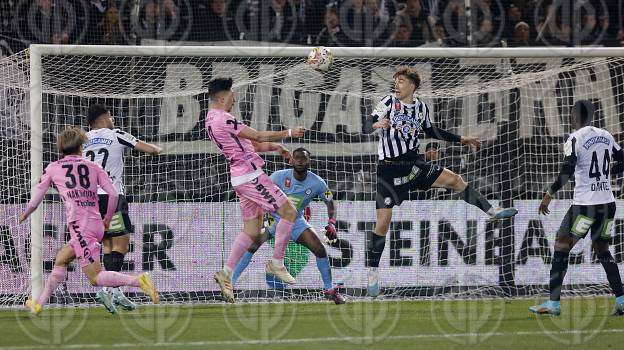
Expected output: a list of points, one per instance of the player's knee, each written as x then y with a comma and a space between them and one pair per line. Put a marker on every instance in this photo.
382, 227
93, 279
319, 251
458, 183
600, 247
563, 244
290, 213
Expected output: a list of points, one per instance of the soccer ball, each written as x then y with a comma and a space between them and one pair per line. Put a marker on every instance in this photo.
320, 58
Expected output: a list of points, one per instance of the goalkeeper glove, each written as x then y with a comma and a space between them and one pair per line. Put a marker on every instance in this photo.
330, 231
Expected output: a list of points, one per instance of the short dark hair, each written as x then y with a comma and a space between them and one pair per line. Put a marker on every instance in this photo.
583, 111
70, 140
95, 111
432, 145
302, 150
409, 73
217, 85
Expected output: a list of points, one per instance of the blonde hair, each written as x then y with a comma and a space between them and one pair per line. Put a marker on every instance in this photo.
70, 140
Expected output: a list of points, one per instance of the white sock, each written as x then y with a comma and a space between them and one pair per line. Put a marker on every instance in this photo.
277, 262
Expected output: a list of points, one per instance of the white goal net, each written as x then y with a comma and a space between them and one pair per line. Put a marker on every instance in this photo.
186, 215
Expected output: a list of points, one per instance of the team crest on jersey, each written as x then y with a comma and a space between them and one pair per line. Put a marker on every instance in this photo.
287, 183
397, 105
308, 191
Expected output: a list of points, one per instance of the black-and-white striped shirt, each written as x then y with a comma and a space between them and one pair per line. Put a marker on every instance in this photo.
406, 122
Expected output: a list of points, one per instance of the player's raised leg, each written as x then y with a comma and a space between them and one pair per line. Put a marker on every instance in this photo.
283, 230
450, 180
85, 244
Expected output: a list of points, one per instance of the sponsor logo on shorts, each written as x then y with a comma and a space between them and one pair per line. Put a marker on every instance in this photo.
267, 195
398, 181
86, 254
387, 201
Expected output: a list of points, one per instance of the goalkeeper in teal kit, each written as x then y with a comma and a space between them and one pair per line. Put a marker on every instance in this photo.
302, 186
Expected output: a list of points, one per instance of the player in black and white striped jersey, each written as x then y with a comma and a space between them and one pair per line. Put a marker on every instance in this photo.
399, 119
106, 147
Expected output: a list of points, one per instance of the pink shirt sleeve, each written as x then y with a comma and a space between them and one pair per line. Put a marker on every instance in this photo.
106, 184
234, 126
39, 193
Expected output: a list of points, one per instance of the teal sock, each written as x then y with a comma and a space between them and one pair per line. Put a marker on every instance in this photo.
620, 299
325, 270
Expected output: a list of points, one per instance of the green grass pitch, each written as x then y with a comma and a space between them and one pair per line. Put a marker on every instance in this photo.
476, 324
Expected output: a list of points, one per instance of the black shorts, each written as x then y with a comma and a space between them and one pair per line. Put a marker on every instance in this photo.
124, 226
396, 178
581, 218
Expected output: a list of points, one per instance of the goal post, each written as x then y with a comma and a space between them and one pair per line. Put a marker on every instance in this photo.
516, 99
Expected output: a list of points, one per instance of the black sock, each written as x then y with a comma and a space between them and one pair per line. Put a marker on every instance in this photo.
557, 273
375, 249
113, 261
475, 198
613, 273
107, 259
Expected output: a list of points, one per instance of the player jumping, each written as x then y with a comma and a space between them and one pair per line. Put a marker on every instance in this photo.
399, 119
302, 186
77, 181
588, 153
106, 147
258, 195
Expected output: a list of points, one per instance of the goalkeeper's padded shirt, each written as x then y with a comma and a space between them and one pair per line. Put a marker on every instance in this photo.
591, 150
301, 193
223, 129
106, 147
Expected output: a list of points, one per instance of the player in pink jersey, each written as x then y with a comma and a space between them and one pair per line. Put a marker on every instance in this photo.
76, 180
257, 193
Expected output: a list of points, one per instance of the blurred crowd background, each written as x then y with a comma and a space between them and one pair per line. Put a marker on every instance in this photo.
391, 23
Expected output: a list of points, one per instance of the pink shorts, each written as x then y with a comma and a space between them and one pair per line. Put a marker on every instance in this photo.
259, 196
86, 236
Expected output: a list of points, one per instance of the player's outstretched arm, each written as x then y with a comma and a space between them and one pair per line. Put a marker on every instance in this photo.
271, 147
37, 197
148, 148
270, 136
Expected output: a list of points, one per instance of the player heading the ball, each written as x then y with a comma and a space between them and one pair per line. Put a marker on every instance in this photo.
588, 153
399, 119
258, 195
77, 180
